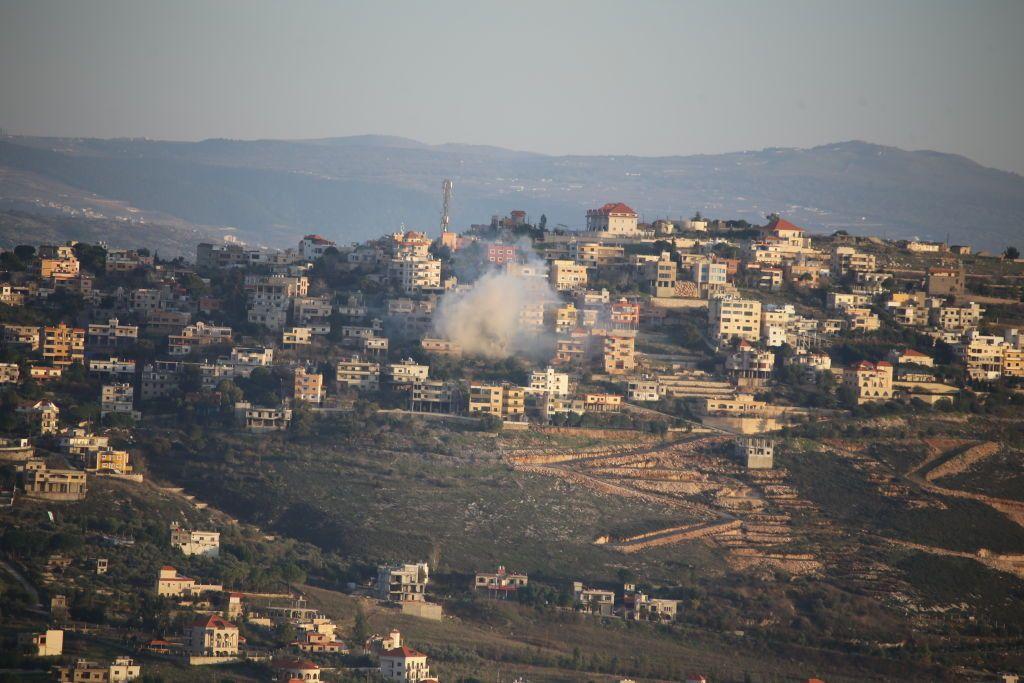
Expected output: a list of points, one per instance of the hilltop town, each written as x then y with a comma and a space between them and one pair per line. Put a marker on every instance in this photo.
626, 451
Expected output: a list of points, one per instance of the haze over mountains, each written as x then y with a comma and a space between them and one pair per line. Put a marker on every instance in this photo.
354, 188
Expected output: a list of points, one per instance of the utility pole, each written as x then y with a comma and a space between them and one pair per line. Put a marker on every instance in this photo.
446, 201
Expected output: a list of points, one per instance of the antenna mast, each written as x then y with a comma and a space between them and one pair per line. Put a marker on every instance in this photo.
446, 193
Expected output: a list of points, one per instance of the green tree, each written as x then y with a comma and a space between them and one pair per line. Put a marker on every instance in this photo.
1011, 254
360, 628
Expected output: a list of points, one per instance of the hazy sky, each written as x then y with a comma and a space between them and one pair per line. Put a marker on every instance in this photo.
632, 77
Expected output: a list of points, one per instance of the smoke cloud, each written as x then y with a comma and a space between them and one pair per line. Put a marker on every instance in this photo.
488, 318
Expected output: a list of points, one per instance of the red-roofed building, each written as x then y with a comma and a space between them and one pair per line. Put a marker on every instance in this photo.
870, 381
296, 670
613, 218
211, 636
501, 583
781, 230
903, 356
404, 664
314, 246
314, 641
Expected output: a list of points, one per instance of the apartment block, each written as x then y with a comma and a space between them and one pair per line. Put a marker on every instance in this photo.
847, 260
117, 398
197, 336
728, 318
619, 354
308, 386
567, 275
505, 401
358, 374
292, 337
112, 334
550, 381
415, 273
63, 345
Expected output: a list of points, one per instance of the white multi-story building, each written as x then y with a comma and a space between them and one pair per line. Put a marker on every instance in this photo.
550, 381
415, 273
313, 246
613, 218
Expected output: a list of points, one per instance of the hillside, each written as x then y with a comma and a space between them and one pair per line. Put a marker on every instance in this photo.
169, 240
357, 187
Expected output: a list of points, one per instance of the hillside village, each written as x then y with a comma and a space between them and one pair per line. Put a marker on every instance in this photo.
695, 372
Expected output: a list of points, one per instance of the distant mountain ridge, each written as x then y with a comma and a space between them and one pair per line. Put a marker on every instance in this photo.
352, 188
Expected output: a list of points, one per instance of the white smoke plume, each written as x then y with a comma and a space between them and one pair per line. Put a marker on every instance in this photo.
487, 318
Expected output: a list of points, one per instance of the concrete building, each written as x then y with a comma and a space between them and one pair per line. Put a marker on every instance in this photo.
613, 219
403, 582
171, 584
500, 583
9, 373
117, 398
710, 274
22, 335
194, 542
60, 485
86, 671
112, 334
662, 276
946, 281
290, 670
550, 381
567, 275
63, 345
262, 418
308, 387
313, 247
911, 356
292, 337
434, 396
415, 273
108, 461
728, 318
504, 401
956, 318
407, 372
500, 254
846, 260
619, 354
112, 367
49, 643
197, 336
441, 347
358, 374
756, 452
43, 417
643, 389
59, 268
749, 365
870, 381
593, 600
404, 664
211, 636
594, 254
